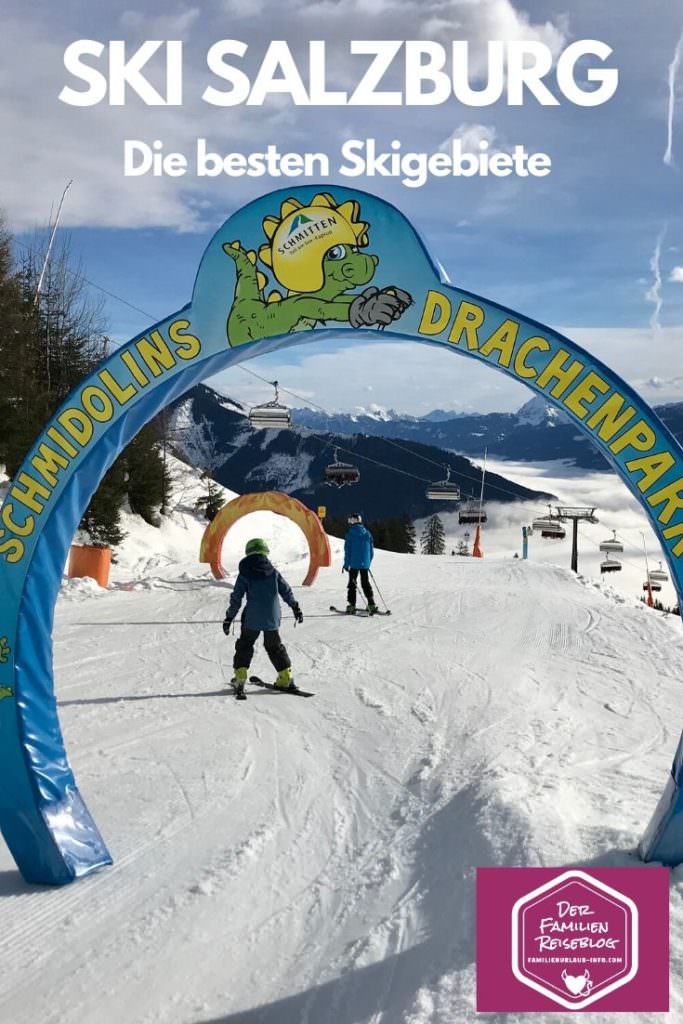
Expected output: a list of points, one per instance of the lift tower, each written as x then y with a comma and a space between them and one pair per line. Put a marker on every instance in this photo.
576, 515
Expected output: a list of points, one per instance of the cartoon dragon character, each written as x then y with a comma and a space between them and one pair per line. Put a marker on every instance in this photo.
315, 253
6, 691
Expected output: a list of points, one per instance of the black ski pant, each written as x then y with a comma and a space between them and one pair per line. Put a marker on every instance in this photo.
365, 584
275, 649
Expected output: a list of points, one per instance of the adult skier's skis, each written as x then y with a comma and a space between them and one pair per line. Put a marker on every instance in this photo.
292, 691
363, 613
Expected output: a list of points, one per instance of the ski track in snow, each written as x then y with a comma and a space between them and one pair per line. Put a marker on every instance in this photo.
306, 862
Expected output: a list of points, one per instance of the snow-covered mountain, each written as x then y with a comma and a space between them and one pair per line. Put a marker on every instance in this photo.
313, 862
214, 435
536, 433
538, 413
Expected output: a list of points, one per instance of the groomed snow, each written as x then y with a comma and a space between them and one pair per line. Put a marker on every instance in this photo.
285, 861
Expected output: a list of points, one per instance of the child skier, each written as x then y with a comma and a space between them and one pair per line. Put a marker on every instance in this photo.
358, 552
263, 585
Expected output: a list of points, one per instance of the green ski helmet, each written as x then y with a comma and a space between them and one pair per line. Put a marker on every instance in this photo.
256, 546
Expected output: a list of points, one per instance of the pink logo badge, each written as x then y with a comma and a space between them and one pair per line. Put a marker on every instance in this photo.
571, 938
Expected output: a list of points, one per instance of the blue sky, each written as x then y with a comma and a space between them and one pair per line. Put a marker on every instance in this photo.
574, 250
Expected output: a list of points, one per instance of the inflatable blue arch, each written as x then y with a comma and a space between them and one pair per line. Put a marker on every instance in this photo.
291, 267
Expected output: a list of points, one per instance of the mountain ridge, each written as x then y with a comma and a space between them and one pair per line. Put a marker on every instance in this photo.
212, 434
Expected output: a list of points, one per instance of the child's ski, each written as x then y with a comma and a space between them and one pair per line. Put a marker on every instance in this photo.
296, 692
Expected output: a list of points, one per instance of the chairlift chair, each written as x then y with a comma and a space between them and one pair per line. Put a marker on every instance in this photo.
472, 513
550, 527
652, 585
612, 545
339, 474
444, 490
271, 415
610, 565
658, 575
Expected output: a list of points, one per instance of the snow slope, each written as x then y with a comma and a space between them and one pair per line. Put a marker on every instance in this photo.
285, 861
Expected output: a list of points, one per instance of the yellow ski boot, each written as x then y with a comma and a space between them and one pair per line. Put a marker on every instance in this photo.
284, 680
238, 680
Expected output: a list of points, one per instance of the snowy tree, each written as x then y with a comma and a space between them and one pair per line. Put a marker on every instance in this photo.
200, 447
433, 540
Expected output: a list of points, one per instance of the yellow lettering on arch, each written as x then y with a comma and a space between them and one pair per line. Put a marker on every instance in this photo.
609, 418
640, 436
587, 390
652, 467
557, 370
536, 343
675, 531
502, 341
671, 497
436, 313
24, 529
468, 320
48, 463
155, 353
187, 345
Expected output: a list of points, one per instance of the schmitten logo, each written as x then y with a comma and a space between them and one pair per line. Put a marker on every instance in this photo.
571, 938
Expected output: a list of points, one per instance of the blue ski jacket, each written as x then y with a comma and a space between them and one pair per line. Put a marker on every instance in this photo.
358, 548
263, 586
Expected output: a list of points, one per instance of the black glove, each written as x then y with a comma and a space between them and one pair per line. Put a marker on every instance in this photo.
227, 623
298, 614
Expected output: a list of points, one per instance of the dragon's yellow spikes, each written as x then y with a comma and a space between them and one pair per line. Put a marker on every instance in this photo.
251, 256
235, 245
350, 210
261, 280
270, 226
289, 206
274, 297
360, 230
266, 255
323, 199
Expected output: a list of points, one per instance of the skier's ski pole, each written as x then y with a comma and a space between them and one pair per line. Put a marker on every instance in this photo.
378, 590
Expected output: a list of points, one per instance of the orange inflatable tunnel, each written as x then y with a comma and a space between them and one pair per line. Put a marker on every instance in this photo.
267, 501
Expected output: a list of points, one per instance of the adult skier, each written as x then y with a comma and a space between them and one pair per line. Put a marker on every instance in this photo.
263, 587
358, 553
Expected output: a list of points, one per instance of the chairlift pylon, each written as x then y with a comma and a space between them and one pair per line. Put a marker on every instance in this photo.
271, 415
444, 490
339, 474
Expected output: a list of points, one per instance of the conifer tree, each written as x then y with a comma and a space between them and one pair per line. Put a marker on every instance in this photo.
433, 540
49, 344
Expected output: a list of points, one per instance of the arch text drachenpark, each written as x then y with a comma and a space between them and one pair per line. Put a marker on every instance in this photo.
293, 266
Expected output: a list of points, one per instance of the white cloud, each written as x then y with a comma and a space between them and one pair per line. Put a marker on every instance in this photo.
672, 80
676, 275
654, 292
51, 142
470, 135
162, 26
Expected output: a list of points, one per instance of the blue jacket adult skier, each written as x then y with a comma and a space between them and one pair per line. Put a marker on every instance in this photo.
263, 586
359, 550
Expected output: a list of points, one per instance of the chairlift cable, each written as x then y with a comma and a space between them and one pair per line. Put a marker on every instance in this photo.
246, 370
